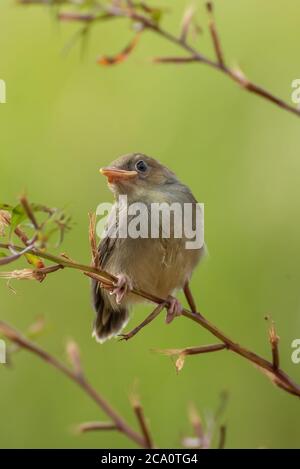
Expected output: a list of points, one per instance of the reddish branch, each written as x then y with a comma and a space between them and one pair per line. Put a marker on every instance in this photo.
270, 369
77, 377
140, 14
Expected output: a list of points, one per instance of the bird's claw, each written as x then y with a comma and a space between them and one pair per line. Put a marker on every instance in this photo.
174, 309
124, 337
121, 287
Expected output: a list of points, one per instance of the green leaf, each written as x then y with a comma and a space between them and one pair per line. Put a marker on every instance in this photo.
35, 261
18, 215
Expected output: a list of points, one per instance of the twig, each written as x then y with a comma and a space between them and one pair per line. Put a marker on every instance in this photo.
182, 353
95, 426
139, 412
274, 340
147, 321
277, 376
147, 23
92, 239
203, 349
196, 422
214, 35
222, 439
29, 212
121, 425
189, 297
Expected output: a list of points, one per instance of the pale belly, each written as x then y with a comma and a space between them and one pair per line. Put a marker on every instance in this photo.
157, 266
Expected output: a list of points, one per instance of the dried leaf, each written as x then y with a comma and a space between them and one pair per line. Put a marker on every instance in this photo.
180, 362
122, 56
36, 328
23, 274
186, 22
35, 261
92, 238
73, 353
18, 215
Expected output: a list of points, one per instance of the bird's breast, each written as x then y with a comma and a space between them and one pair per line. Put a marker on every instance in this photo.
159, 266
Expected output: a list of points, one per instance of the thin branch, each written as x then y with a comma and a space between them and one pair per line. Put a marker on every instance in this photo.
92, 239
29, 212
277, 376
214, 35
274, 340
222, 438
139, 413
121, 425
203, 349
174, 60
189, 297
196, 422
193, 54
95, 426
182, 353
147, 321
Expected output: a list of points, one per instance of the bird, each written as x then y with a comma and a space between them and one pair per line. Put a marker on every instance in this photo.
161, 265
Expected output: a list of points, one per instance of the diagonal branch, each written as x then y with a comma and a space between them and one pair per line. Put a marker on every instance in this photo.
214, 35
277, 376
139, 413
143, 18
120, 424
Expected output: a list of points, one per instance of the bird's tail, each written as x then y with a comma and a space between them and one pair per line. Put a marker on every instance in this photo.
110, 318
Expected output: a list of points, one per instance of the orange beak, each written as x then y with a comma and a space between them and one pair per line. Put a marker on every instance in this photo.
115, 174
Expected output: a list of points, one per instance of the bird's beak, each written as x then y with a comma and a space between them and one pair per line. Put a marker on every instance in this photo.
115, 174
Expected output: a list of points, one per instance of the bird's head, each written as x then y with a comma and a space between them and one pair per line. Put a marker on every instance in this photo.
138, 176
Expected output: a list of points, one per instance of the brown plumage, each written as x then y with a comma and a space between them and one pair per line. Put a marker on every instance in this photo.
161, 265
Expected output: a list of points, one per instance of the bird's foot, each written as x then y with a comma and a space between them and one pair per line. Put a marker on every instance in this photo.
122, 286
125, 336
174, 309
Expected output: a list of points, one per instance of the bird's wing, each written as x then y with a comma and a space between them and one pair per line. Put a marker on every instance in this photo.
105, 250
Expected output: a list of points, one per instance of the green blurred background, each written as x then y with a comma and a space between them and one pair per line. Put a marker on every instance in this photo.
65, 117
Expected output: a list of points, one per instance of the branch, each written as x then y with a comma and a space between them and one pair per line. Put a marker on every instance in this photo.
144, 16
139, 412
95, 426
119, 423
215, 36
29, 212
274, 340
222, 438
182, 353
277, 376
116, 423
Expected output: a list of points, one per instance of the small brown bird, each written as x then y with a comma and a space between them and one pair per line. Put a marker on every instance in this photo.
158, 265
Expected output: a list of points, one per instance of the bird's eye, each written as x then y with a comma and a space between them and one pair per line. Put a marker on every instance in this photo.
141, 166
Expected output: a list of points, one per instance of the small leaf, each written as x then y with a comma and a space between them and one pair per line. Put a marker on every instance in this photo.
35, 261
180, 362
18, 215
73, 353
121, 56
